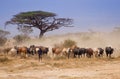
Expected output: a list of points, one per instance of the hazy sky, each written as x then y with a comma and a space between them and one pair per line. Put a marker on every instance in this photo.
100, 15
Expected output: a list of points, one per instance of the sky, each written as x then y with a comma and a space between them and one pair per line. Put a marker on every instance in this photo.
98, 15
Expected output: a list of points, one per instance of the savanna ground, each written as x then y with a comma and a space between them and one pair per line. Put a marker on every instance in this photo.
60, 68
63, 68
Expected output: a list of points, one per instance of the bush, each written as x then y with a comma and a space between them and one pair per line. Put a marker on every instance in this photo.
3, 37
4, 59
86, 38
21, 38
68, 43
2, 41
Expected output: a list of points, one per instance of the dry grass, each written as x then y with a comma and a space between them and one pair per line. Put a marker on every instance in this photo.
18, 65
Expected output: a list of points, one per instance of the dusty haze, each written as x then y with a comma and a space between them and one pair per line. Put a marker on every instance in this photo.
83, 39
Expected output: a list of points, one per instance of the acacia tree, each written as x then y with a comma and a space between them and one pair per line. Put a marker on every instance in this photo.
3, 36
44, 21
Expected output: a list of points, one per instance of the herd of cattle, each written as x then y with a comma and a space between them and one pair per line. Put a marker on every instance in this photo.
73, 51
83, 52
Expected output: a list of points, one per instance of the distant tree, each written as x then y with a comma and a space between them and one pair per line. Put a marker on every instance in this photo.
3, 33
25, 30
91, 31
21, 38
116, 29
3, 36
44, 21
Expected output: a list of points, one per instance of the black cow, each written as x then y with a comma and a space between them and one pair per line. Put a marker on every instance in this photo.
82, 51
109, 51
76, 52
45, 50
79, 51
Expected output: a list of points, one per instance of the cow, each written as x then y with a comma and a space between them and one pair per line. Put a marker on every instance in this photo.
100, 52
95, 52
32, 49
45, 50
89, 52
82, 51
109, 50
13, 51
70, 51
65, 51
77, 51
57, 51
22, 50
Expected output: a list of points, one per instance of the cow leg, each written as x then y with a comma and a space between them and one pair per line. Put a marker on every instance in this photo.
90, 56
54, 54
78, 56
107, 54
87, 55
68, 55
74, 55
84, 55
26, 55
40, 57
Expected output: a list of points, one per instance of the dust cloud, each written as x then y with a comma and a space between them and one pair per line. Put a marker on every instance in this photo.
83, 39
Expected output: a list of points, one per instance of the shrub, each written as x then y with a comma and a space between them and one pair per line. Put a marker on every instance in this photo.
3, 37
86, 38
4, 59
21, 38
2, 41
68, 43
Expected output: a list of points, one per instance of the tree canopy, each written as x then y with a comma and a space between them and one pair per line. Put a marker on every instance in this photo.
44, 21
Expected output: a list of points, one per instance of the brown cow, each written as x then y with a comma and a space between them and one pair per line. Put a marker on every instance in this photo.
22, 50
89, 52
57, 51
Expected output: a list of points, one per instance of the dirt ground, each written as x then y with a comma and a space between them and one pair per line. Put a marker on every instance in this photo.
60, 68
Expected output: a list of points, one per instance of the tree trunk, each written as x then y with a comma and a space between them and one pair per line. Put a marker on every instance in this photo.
41, 34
